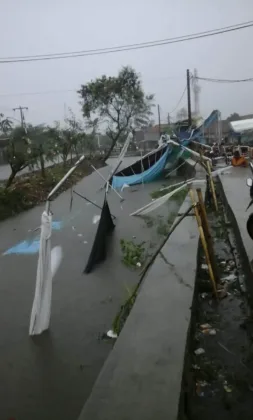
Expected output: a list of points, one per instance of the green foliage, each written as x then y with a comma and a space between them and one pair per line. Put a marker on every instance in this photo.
177, 196
132, 253
32, 189
118, 102
162, 228
5, 124
20, 152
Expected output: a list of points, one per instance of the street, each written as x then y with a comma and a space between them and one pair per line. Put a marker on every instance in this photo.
50, 376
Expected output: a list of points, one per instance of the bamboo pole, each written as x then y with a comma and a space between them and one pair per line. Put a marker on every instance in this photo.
212, 186
207, 233
203, 241
203, 212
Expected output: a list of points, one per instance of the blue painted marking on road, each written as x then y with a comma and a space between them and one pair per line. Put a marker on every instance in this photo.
25, 247
29, 247
57, 225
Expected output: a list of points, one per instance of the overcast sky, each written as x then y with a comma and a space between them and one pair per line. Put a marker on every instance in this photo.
39, 27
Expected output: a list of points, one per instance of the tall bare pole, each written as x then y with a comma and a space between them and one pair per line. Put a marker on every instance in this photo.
22, 118
159, 119
196, 92
189, 97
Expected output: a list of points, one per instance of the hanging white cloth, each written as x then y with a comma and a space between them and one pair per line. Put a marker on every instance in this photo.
41, 310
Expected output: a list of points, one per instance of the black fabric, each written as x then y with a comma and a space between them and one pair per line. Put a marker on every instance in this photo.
142, 164
99, 248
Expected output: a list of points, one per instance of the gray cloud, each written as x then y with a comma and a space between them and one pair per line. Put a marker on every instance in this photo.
33, 27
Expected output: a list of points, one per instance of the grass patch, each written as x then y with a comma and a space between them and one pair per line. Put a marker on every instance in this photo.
177, 196
31, 189
132, 253
162, 228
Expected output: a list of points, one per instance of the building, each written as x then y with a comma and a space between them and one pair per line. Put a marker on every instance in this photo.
228, 135
211, 134
146, 139
243, 131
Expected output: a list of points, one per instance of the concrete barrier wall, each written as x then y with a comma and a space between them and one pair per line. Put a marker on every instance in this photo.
141, 379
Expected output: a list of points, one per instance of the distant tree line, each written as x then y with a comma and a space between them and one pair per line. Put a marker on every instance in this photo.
114, 105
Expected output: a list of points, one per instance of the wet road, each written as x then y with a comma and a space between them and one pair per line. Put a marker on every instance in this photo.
50, 377
5, 170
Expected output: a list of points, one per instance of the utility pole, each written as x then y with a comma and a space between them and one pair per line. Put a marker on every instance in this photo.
159, 119
189, 98
22, 118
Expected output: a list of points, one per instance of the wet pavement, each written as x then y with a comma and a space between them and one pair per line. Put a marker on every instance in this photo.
51, 376
238, 197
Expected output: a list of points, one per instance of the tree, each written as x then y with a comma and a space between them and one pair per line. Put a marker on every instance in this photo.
5, 124
19, 152
68, 140
182, 114
234, 117
118, 102
40, 144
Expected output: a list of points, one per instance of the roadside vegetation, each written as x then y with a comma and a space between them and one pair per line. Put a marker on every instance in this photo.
111, 107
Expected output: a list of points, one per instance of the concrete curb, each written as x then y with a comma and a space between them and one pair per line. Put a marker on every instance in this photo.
141, 379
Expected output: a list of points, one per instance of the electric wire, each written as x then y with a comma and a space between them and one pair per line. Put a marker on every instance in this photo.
109, 50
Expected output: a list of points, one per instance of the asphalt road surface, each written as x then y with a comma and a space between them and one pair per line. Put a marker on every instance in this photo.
50, 377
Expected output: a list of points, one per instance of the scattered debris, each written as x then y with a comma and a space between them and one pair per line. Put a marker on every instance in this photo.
195, 367
207, 329
80, 234
199, 351
227, 387
95, 219
232, 277
199, 390
220, 370
205, 326
111, 334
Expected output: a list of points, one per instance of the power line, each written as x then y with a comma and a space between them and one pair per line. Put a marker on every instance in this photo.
181, 97
209, 79
142, 45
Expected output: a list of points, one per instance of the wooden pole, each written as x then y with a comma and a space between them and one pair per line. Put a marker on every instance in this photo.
203, 241
212, 186
207, 233
203, 213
